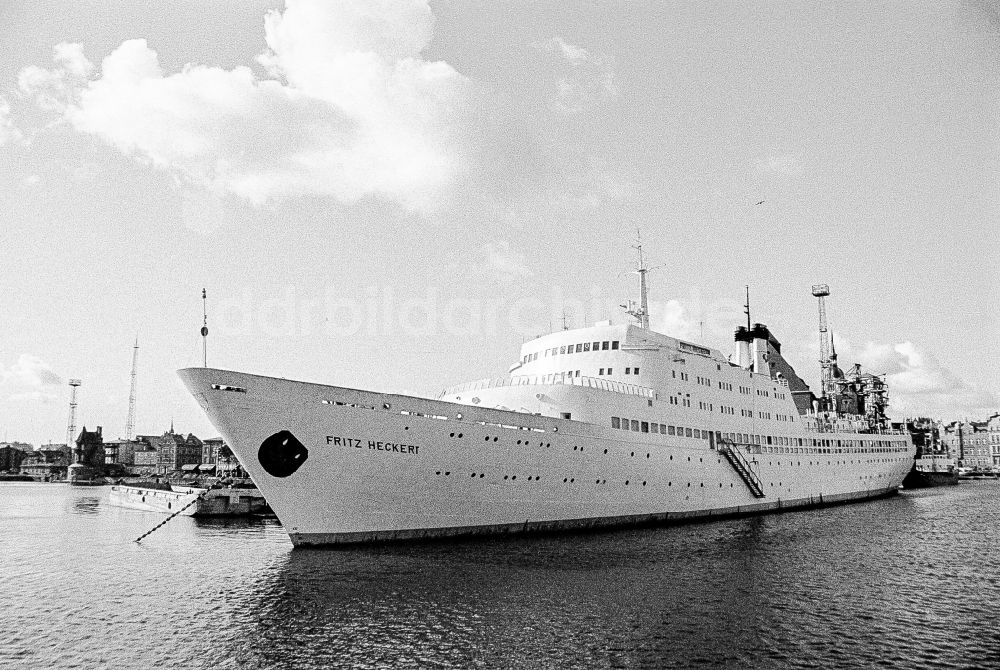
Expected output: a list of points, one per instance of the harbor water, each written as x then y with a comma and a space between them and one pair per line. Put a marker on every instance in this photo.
908, 582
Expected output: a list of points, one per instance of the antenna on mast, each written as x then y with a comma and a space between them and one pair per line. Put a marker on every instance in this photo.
746, 307
640, 314
204, 329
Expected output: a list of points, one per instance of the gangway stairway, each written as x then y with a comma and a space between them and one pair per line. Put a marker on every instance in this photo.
742, 466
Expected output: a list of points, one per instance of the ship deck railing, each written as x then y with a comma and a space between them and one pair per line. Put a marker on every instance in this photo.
551, 379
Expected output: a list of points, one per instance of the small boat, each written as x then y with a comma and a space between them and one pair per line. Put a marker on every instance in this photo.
190, 500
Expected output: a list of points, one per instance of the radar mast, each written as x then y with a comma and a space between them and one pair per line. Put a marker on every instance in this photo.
640, 313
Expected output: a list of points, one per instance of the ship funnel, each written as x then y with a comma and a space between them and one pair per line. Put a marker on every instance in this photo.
743, 339
759, 336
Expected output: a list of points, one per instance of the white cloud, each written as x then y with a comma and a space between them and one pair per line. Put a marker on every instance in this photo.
920, 386
506, 262
30, 378
583, 80
8, 132
349, 109
777, 163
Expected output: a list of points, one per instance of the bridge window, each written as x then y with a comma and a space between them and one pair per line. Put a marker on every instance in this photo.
645, 426
609, 370
655, 427
635, 371
579, 348
604, 345
687, 432
635, 425
671, 430
614, 345
597, 346
586, 346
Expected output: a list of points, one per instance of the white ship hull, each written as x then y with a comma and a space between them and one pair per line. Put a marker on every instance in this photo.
380, 466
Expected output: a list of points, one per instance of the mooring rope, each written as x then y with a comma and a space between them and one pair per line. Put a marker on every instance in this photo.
164, 522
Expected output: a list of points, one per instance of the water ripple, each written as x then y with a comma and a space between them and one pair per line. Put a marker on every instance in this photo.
910, 582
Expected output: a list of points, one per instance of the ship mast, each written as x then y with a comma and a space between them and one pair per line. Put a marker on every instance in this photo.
641, 313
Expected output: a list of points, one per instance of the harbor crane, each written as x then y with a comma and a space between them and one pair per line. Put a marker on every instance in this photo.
821, 291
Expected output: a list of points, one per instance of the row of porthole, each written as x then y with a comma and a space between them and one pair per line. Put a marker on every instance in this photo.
569, 480
549, 444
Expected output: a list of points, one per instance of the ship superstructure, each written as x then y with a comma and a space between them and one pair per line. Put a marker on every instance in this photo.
608, 425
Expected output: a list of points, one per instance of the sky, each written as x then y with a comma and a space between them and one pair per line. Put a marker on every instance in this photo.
395, 194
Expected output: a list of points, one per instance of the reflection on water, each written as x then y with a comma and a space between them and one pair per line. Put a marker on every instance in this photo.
906, 582
86, 505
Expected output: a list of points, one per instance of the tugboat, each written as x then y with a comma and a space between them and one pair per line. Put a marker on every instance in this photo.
932, 467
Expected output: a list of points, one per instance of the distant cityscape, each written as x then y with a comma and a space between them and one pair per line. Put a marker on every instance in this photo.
171, 454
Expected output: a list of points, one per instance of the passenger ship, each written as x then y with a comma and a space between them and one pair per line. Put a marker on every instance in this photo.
604, 426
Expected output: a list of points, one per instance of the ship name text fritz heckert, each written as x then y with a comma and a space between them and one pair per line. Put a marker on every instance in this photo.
372, 444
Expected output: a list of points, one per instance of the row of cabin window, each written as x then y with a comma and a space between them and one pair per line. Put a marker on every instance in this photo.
811, 443
660, 428
745, 438
578, 348
629, 371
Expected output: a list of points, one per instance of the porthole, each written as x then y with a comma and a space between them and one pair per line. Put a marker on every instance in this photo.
460, 435
438, 472
487, 438
598, 481
513, 478
689, 484
481, 475
169, 505
702, 485
626, 482
451, 435
574, 448
565, 480
505, 476
670, 483
571, 480
605, 451
495, 439
447, 473
647, 455
632, 454
644, 483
